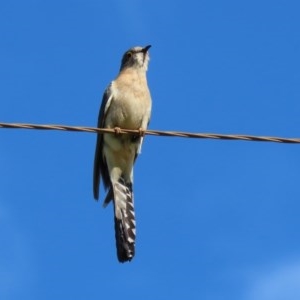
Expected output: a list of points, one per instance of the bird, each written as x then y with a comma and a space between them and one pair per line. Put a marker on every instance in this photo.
127, 104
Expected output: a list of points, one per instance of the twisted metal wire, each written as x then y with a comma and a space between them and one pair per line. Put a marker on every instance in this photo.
153, 132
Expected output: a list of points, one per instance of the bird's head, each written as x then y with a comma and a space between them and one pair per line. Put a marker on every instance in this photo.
136, 57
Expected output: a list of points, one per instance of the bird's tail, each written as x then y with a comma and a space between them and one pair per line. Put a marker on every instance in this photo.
124, 220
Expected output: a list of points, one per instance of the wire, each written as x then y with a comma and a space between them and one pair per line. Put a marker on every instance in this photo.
153, 132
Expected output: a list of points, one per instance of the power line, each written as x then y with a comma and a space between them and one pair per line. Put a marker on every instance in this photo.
153, 132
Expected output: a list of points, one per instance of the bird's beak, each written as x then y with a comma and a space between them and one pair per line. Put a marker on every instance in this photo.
145, 49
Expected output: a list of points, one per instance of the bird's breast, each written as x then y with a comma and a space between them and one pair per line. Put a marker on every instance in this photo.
130, 105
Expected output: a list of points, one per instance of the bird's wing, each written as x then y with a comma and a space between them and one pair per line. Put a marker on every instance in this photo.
100, 167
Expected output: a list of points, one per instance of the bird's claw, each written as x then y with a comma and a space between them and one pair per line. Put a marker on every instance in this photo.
141, 132
117, 130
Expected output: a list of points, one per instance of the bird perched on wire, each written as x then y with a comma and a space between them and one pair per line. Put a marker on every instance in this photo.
126, 104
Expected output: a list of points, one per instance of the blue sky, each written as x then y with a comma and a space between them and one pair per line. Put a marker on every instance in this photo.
215, 219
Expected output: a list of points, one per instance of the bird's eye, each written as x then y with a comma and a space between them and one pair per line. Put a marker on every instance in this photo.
129, 54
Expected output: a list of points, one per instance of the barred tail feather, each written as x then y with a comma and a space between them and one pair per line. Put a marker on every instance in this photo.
124, 220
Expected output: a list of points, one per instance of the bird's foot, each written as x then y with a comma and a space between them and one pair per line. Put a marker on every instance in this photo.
141, 132
117, 130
